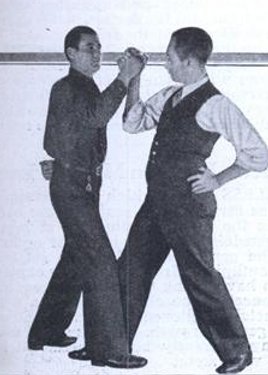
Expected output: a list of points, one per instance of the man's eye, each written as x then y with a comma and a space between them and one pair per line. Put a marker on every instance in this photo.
94, 48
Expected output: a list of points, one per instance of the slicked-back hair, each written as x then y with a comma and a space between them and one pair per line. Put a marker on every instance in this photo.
73, 37
193, 42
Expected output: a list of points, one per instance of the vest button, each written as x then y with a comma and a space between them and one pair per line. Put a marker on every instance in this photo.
154, 152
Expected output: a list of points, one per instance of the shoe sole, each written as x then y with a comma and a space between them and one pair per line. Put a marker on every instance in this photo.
41, 346
36, 347
248, 363
79, 358
98, 363
126, 366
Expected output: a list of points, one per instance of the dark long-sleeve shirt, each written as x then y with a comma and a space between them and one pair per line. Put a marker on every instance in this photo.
77, 117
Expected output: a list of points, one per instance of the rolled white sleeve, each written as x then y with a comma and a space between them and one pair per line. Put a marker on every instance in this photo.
145, 115
222, 116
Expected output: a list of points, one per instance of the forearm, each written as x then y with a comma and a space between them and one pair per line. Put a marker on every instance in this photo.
133, 95
206, 181
107, 103
230, 173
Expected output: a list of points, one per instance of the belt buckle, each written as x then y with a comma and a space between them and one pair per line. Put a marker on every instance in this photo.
89, 185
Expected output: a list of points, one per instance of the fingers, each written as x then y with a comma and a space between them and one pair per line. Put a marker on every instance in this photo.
194, 177
199, 187
203, 182
198, 175
196, 181
47, 169
134, 52
196, 184
121, 60
47, 175
200, 190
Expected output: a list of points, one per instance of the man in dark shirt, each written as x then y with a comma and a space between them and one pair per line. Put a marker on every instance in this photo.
75, 138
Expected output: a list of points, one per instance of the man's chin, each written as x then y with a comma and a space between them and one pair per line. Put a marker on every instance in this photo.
96, 67
171, 76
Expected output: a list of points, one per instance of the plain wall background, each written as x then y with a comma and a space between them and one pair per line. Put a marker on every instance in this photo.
31, 237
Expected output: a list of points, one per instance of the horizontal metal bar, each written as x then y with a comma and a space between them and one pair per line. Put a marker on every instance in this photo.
155, 58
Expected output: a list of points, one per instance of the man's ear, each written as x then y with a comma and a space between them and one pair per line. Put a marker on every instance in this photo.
192, 62
187, 62
70, 53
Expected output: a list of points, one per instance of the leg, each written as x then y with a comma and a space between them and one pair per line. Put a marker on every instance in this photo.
214, 309
144, 253
96, 267
60, 300
105, 335
59, 303
88, 263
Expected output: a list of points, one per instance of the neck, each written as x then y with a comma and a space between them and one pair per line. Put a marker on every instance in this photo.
78, 69
195, 76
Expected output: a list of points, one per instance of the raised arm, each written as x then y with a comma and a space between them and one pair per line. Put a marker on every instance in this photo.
138, 115
133, 95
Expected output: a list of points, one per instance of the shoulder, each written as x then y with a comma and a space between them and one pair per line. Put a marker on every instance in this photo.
221, 100
62, 88
218, 99
220, 104
164, 94
62, 84
169, 90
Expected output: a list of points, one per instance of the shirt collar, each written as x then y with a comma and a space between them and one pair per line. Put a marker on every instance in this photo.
186, 90
75, 73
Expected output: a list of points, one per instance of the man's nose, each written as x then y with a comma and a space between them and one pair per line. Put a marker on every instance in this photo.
96, 52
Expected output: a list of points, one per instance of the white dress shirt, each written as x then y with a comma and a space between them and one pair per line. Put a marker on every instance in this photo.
218, 114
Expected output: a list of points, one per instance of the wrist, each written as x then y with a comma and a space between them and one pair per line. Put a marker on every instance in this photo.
123, 78
135, 82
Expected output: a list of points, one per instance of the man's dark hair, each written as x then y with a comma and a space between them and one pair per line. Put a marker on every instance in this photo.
194, 42
73, 37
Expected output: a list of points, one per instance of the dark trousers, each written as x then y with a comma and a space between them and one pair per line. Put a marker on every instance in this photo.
87, 265
164, 223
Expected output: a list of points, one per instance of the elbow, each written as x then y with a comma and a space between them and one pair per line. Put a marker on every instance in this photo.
257, 161
262, 166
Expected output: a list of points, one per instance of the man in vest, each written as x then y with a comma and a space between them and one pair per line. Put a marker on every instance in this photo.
180, 206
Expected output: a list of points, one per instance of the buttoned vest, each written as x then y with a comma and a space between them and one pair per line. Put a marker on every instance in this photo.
180, 146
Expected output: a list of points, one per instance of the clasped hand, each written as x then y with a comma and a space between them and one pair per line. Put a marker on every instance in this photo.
132, 62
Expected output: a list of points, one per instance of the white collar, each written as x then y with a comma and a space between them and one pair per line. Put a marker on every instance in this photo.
186, 90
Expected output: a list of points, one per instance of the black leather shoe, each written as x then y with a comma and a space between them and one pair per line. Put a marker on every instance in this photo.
80, 355
123, 361
237, 364
61, 341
